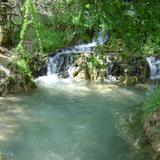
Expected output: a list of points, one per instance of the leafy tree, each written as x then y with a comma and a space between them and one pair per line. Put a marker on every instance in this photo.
136, 23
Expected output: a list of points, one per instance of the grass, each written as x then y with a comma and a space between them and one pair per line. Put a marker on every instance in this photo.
152, 102
51, 40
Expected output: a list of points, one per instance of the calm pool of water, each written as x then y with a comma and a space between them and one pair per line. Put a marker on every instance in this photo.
73, 121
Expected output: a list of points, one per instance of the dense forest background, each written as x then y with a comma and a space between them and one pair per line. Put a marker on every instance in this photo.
61, 23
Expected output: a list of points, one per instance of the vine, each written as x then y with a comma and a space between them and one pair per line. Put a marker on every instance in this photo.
31, 17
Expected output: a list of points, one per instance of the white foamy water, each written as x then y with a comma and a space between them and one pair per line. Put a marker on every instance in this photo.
154, 64
50, 79
62, 62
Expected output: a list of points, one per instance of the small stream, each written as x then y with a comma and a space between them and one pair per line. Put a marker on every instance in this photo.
71, 121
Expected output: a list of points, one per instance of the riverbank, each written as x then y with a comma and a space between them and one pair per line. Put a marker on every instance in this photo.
12, 81
151, 120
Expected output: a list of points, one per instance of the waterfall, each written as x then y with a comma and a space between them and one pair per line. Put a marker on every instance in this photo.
62, 60
61, 63
154, 64
110, 77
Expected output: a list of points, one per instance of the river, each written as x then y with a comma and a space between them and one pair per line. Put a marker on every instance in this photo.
71, 121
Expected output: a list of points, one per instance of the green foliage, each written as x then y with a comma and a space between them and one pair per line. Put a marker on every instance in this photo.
30, 18
153, 102
51, 40
96, 62
21, 66
136, 24
31, 21
67, 18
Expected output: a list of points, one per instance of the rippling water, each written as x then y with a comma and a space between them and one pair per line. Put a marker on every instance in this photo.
70, 121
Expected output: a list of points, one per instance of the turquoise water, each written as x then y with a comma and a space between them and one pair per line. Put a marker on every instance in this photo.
70, 121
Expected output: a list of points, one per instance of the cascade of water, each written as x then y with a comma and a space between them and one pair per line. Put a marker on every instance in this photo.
110, 77
154, 64
62, 60
102, 38
62, 63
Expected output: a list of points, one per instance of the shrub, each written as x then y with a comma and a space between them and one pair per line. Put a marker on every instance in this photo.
153, 102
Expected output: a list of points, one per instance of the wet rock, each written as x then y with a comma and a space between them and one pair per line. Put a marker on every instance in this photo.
82, 73
94, 74
129, 71
16, 83
99, 75
121, 79
130, 80
82, 70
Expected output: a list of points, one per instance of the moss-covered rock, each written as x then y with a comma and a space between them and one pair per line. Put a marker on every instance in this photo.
130, 80
16, 83
12, 81
129, 70
84, 70
38, 65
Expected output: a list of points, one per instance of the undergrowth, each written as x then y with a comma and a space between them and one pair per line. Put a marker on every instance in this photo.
152, 102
